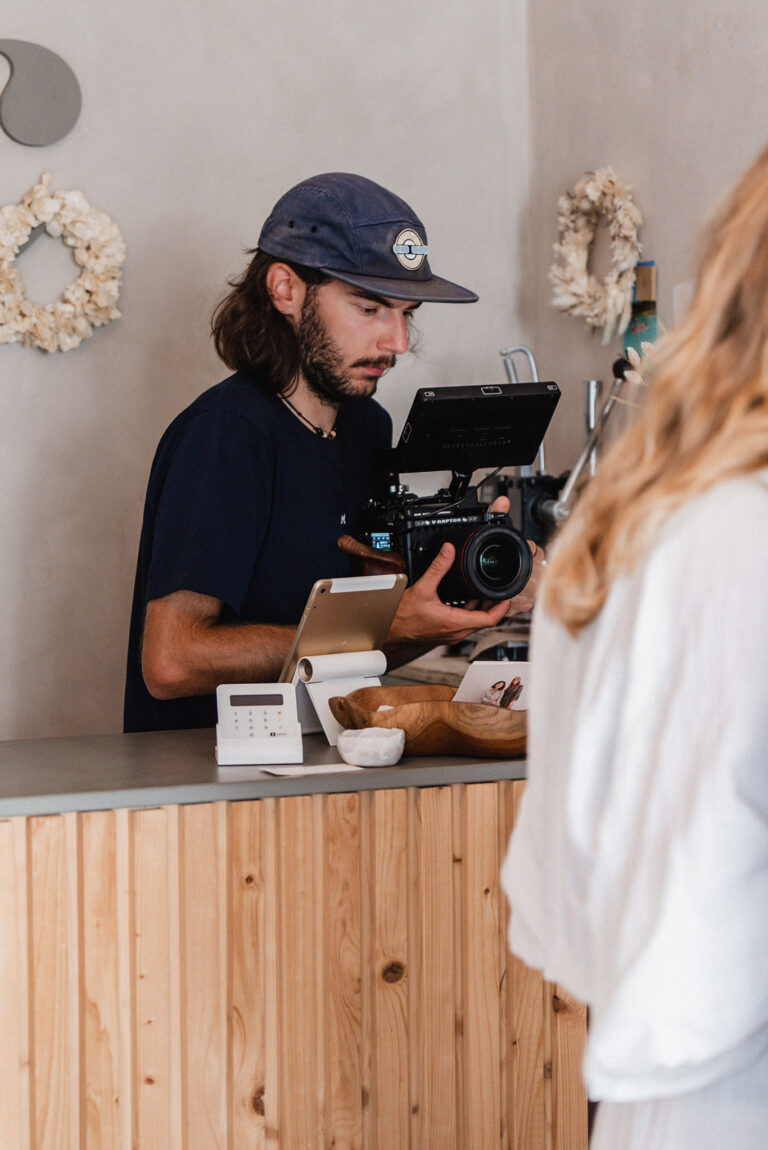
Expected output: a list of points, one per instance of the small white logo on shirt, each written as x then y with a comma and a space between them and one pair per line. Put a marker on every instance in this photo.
343, 521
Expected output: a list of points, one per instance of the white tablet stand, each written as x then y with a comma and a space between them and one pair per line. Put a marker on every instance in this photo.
319, 677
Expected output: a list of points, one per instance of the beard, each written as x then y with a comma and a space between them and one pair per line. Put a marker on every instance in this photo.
321, 362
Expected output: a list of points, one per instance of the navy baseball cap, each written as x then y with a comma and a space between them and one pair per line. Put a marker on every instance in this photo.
356, 231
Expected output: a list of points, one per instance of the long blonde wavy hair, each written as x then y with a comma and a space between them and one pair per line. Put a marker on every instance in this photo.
704, 419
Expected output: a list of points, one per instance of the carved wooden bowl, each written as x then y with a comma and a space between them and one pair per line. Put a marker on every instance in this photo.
433, 723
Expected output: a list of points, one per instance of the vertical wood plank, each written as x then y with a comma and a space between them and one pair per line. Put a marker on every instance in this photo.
481, 945
416, 1129
204, 870
342, 967
175, 979
570, 1113
390, 971
101, 1026
15, 1079
324, 987
300, 1096
55, 1010
367, 974
126, 977
157, 969
271, 975
458, 848
248, 989
504, 981
437, 1125
74, 944
529, 1066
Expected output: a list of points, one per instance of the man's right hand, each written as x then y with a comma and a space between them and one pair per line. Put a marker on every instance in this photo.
423, 619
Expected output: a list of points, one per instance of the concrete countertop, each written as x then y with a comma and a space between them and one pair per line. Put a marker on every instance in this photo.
99, 772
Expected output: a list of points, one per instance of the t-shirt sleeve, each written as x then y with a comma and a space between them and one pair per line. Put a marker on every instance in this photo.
212, 509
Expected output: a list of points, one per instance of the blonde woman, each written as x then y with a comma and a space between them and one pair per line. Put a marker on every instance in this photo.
638, 870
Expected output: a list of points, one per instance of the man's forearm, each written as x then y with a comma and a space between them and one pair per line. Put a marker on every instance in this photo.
186, 652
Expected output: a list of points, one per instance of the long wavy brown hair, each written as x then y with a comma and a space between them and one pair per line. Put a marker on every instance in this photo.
250, 334
704, 419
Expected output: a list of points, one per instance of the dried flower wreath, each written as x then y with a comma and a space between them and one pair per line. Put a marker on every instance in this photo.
605, 304
90, 300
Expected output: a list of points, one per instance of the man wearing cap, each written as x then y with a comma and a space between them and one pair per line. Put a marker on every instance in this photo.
253, 484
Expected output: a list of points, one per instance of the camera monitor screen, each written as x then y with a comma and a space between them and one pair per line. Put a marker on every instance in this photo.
466, 428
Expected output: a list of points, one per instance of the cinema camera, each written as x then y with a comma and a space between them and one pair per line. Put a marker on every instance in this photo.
460, 429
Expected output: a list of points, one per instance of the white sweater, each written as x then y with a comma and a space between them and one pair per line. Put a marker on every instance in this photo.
638, 870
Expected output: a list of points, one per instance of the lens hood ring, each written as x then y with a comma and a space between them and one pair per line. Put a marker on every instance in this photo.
518, 560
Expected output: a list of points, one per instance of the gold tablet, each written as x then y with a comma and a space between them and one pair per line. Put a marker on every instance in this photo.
345, 615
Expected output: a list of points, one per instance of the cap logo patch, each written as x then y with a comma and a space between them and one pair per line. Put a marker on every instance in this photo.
410, 249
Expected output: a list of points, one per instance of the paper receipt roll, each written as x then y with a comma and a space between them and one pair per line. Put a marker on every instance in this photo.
351, 664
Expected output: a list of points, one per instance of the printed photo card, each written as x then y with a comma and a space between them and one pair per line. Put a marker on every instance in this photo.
496, 683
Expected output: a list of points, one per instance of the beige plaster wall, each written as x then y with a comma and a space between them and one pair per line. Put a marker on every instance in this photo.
673, 96
194, 120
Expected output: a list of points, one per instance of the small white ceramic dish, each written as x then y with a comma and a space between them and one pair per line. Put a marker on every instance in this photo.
371, 746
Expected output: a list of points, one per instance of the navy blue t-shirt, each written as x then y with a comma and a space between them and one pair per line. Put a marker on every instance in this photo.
245, 503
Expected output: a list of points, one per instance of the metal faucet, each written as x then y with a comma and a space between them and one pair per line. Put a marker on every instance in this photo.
509, 366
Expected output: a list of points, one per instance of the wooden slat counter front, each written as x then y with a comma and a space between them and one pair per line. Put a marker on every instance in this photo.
190, 964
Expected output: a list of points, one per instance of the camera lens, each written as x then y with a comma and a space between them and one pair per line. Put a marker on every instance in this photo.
495, 562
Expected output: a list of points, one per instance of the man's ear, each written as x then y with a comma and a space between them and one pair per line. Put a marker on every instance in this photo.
286, 290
